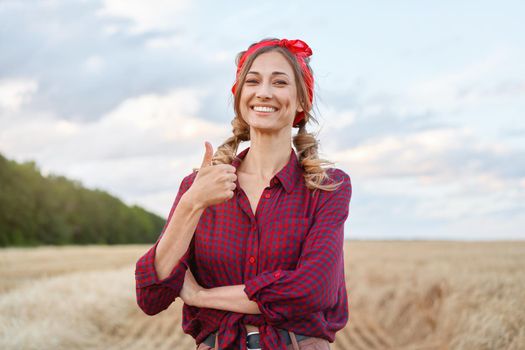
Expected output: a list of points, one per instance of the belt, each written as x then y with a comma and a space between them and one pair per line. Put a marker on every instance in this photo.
252, 339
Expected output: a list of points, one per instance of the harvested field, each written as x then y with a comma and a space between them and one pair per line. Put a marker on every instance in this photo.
403, 295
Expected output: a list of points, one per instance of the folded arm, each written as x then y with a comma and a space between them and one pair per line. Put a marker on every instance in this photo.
228, 298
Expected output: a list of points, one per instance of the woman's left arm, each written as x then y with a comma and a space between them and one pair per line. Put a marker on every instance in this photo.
313, 286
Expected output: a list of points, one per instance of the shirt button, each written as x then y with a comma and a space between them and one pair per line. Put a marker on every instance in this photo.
252, 259
267, 195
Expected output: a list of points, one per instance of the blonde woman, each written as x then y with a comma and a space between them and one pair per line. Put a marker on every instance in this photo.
253, 243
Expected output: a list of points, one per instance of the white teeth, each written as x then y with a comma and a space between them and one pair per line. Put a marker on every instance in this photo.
264, 109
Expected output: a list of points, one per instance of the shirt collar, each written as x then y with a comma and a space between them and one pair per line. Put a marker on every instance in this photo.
288, 176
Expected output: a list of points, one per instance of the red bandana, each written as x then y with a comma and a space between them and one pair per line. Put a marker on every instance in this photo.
299, 49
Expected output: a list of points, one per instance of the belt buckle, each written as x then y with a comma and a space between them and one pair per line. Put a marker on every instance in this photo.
251, 333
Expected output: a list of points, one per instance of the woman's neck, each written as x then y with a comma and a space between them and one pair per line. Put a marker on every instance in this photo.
265, 159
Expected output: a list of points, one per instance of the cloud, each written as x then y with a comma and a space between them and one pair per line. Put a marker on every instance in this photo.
155, 15
86, 70
440, 152
369, 120
480, 94
469, 86
436, 181
94, 64
16, 92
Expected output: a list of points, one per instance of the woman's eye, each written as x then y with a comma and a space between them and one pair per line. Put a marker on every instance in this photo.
251, 81
280, 82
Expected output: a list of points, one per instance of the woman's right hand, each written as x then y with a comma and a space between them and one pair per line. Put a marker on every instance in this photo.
214, 184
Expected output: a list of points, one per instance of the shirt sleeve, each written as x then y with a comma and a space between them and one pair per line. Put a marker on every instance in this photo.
155, 295
313, 286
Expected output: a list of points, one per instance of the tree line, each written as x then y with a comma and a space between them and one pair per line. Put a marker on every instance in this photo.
54, 210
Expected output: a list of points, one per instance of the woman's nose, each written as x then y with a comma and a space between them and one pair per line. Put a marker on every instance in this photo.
264, 91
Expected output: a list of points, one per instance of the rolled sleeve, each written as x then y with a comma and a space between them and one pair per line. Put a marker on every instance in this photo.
153, 294
146, 274
261, 281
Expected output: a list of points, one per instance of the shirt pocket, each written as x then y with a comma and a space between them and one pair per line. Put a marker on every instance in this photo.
281, 242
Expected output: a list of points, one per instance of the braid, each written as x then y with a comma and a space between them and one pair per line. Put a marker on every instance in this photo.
227, 152
307, 148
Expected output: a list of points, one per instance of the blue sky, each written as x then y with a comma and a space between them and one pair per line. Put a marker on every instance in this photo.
421, 103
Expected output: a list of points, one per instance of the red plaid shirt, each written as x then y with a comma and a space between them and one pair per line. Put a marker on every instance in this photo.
289, 255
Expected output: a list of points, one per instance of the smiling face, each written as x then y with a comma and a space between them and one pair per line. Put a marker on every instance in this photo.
268, 97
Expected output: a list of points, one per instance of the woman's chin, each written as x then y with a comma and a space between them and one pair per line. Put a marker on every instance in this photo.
267, 128
261, 123
267, 123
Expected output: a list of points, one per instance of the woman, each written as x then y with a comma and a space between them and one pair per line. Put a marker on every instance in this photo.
253, 244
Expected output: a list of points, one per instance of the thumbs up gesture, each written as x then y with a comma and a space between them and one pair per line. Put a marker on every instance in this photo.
213, 184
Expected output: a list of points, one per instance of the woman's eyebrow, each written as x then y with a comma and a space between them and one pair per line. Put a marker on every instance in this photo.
273, 73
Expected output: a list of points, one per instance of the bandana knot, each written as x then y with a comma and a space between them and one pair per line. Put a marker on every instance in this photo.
297, 47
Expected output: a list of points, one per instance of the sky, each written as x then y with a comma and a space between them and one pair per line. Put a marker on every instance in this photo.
421, 103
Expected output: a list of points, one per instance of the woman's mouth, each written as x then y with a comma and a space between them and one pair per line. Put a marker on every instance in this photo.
264, 109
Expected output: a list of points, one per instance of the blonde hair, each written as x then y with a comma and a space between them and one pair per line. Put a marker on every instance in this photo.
305, 143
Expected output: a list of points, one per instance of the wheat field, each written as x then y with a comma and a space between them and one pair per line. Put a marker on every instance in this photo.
402, 295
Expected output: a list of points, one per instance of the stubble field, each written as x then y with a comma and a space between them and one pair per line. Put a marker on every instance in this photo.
402, 295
